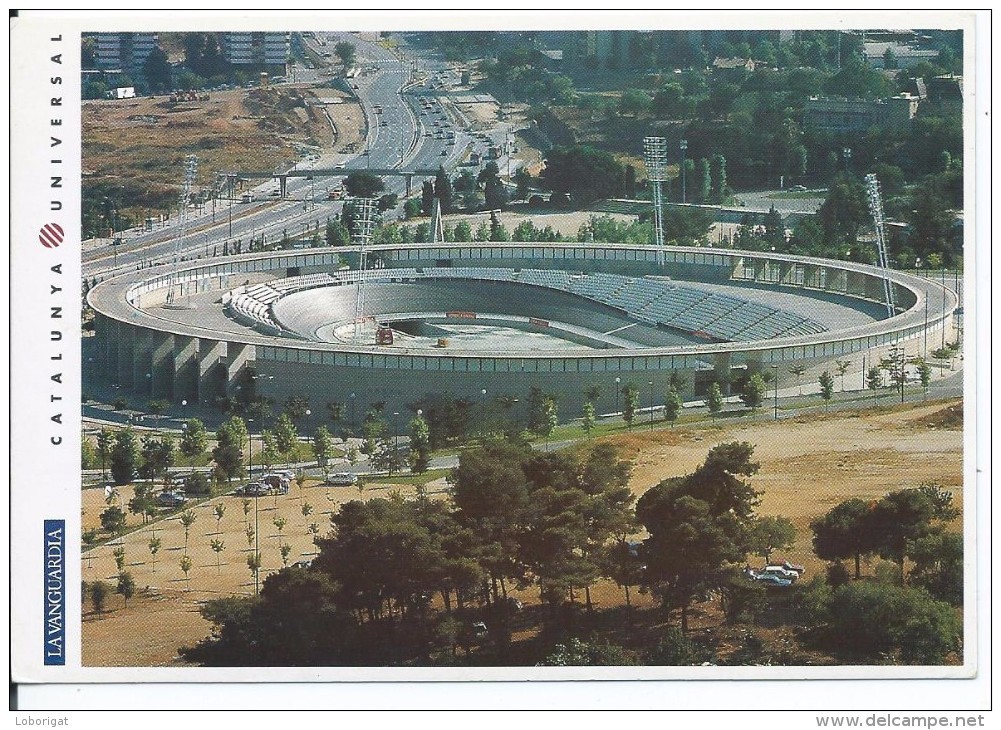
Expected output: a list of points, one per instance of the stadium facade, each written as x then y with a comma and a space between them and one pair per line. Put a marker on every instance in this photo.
633, 315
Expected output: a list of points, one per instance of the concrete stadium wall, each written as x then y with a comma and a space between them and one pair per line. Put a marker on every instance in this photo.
156, 356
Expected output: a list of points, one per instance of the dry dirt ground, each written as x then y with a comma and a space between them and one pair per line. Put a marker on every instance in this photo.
142, 142
806, 467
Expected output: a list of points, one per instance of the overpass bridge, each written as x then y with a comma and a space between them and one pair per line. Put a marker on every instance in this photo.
282, 177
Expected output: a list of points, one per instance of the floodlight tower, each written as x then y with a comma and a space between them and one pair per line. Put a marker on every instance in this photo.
436, 231
655, 156
364, 223
190, 173
876, 209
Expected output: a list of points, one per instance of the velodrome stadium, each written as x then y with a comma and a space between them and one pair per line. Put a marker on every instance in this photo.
398, 323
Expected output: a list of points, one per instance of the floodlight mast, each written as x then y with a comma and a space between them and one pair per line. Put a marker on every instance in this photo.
364, 223
655, 157
436, 231
876, 208
190, 173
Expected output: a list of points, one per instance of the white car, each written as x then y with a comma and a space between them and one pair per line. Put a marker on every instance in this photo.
778, 570
343, 479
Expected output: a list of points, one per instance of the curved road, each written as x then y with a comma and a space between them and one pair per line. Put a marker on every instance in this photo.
410, 132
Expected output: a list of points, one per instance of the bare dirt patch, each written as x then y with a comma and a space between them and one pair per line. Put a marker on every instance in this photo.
141, 143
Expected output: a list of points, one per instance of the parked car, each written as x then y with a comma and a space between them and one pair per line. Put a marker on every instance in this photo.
798, 188
772, 580
256, 489
171, 500
479, 630
781, 572
276, 482
302, 564
343, 479
799, 569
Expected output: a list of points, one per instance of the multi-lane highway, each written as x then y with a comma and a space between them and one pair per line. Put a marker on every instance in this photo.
411, 125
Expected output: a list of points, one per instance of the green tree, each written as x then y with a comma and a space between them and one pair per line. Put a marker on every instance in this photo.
336, 233
577, 653
104, 446
322, 446
718, 178
187, 518
587, 421
676, 650
870, 619
584, 173
125, 457
286, 436
219, 510
463, 233
622, 563
826, 387
874, 379
254, 566
363, 184
126, 586
522, 181
634, 102
698, 527
843, 213
702, 184
228, 452
771, 533
798, 371
269, 454
420, 445
194, 438
217, 547
345, 52
99, 594
297, 407
714, 400
143, 502
119, 554
154, 545
842, 366
578, 503
157, 456
906, 515
157, 71
443, 190
672, 405
924, 375
88, 456
113, 520
845, 531
630, 403
753, 391
938, 565
185, 565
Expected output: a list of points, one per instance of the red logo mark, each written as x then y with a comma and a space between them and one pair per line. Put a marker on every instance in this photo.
50, 235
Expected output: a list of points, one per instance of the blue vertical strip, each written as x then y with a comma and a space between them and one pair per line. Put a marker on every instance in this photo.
54, 618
